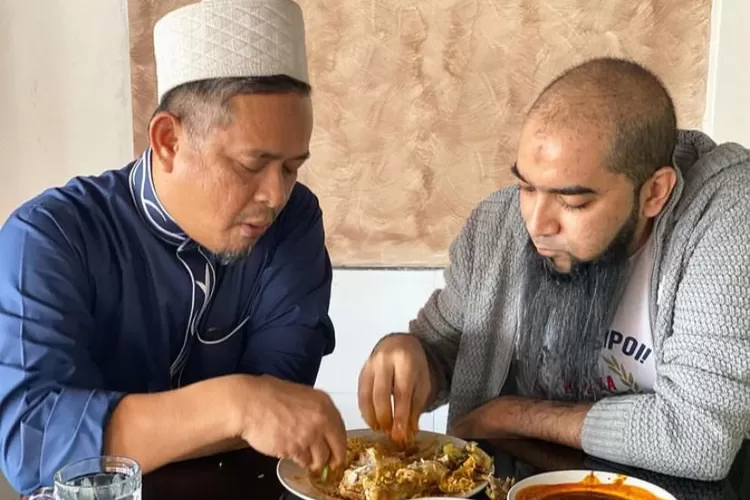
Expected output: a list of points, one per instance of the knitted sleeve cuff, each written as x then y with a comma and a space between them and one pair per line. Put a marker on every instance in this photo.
604, 432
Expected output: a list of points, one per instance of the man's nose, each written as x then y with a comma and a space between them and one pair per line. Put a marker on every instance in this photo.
543, 220
271, 191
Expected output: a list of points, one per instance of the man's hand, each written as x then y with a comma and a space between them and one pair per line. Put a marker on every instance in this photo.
220, 414
288, 420
397, 368
515, 416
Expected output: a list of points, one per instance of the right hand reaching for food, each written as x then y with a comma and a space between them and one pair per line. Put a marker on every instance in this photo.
397, 369
294, 421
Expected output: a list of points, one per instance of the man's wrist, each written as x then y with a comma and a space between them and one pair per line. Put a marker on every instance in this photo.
556, 421
239, 398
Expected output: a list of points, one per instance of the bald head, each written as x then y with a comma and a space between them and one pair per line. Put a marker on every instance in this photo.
622, 107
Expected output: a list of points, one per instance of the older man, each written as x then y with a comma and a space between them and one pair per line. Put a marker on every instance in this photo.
179, 306
601, 303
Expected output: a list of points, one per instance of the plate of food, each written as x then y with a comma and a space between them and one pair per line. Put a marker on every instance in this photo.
585, 484
432, 465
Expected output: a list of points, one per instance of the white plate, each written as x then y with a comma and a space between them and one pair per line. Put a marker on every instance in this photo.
296, 480
574, 476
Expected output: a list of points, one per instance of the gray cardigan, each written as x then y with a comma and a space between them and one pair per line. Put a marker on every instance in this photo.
699, 413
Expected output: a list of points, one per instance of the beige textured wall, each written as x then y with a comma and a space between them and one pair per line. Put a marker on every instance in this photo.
418, 104
451, 79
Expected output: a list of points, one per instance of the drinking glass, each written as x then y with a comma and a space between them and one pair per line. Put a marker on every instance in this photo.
100, 478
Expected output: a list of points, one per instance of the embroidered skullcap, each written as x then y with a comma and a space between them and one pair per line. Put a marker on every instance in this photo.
229, 38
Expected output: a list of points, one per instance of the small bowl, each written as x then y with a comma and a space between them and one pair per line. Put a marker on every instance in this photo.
576, 476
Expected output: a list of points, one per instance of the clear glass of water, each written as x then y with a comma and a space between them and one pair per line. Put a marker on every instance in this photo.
100, 478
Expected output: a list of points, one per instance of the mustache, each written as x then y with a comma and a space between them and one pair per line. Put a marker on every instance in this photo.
265, 217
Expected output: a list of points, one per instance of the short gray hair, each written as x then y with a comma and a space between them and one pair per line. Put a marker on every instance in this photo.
204, 104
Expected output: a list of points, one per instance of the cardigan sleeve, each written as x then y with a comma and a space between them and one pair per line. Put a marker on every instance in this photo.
699, 414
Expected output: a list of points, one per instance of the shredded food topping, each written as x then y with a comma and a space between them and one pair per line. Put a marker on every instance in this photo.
383, 470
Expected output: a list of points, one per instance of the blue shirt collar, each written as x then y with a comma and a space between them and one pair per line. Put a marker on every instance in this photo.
148, 205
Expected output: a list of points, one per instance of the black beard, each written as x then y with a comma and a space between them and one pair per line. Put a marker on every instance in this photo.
564, 318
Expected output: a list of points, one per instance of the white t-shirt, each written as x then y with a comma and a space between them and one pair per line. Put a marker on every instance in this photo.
627, 362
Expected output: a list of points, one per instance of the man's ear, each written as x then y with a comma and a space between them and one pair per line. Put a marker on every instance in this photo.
164, 134
656, 191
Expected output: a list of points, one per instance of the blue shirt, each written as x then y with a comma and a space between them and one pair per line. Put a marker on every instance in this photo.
102, 294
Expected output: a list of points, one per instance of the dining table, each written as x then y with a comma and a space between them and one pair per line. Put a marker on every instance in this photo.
249, 475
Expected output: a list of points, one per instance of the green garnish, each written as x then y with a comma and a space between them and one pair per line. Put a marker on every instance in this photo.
324, 474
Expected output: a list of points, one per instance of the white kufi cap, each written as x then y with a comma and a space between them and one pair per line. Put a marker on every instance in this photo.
229, 38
